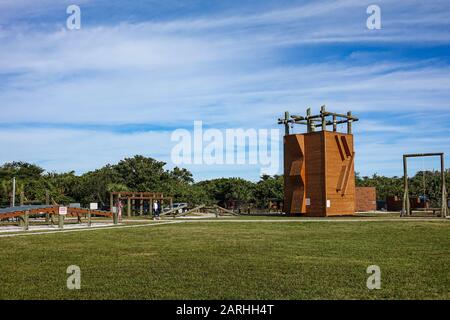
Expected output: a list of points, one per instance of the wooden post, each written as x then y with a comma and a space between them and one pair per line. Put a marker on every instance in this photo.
141, 209
444, 190
111, 202
115, 216
61, 221
133, 205
128, 207
13, 200
89, 218
286, 123
117, 208
25, 221
309, 127
406, 204
349, 123
324, 119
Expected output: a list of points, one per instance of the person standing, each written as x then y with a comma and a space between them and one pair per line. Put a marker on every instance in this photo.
155, 211
119, 210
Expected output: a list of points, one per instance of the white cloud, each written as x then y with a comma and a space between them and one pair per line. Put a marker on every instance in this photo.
83, 150
224, 70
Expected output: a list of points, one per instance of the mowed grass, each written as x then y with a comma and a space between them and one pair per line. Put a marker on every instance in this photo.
220, 260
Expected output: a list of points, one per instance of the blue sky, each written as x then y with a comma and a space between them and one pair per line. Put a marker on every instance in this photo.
137, 70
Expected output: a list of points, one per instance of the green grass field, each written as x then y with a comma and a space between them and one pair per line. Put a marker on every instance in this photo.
219, 260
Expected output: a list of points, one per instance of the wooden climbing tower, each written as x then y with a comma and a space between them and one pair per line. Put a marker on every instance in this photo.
319, 176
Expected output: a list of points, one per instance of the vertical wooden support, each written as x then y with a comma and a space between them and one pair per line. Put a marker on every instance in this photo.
111, 202
308, 121
286, 123
115, 216
324, 119
61, 221
129, 207
406, 204
349, 123
22, 198
13, 198
141, 208
25, 221
133, 205
89, 218
444, 190
117, 209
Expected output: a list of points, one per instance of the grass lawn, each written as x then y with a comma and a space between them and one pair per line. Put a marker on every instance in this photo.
219, 260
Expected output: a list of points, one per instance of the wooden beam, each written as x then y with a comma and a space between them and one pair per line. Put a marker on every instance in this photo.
406, 204
349, 123
444, 190
111, 202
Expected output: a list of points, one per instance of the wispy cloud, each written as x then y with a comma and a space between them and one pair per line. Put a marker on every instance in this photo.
229, 70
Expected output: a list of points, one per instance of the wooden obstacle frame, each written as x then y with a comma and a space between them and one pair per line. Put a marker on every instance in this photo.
23, 214
406, 206
203, 208
130, 198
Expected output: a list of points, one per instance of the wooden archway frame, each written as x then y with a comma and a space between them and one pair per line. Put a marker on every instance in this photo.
406, 209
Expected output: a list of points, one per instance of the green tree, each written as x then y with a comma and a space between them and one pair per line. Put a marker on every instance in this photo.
268, 188
229, 189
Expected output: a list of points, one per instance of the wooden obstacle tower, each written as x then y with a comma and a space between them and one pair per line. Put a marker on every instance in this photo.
131, 198
319, 176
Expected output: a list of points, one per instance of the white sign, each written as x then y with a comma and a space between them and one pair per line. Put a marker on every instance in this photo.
308, 201
328, 204
93, 206
62, 210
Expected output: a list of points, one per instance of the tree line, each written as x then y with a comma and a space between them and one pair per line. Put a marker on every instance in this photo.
140, 173
131, 174
422, 184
